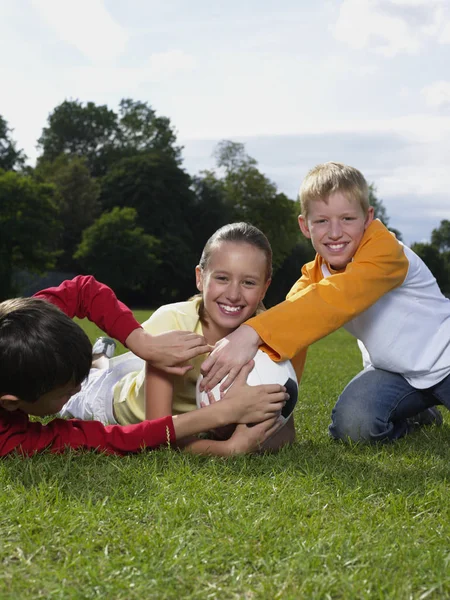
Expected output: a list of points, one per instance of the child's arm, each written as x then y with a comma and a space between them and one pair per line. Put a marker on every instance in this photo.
243, 441
158, 393
18, 433
266, 437
312, 312
84, 296
241, 404
226, 361
378, 267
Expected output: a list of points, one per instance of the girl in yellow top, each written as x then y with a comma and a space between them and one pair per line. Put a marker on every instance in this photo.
232, 277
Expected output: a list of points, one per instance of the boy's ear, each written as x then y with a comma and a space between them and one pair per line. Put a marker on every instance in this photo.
9, 402
369, 217
199, 278
303, 224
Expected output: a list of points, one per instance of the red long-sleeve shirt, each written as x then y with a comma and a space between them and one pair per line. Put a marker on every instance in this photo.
83, 296
17, 432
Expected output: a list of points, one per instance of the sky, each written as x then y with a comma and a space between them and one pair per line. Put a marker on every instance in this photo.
299, 82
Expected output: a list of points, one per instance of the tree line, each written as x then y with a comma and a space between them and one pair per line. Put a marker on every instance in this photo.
109, 196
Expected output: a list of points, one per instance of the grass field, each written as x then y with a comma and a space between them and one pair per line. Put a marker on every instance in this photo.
318, 520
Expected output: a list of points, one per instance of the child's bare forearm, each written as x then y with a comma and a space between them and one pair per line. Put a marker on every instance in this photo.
158, 393
198, 421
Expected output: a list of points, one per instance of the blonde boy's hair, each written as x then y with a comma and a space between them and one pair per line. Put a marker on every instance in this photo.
330, 177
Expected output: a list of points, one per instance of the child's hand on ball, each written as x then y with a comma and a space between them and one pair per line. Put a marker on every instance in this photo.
254, 403
250, 439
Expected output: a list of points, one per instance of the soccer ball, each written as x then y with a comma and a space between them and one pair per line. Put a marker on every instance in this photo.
265, 371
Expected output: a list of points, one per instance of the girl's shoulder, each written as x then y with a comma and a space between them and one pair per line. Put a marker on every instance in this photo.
177, 315
187, 307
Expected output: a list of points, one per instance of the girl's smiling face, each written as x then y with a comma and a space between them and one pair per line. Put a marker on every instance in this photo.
233, 283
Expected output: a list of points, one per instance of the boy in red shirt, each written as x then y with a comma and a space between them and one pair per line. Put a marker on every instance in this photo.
44, 357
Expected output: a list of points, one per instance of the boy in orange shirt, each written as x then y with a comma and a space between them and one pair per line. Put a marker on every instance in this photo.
367, 281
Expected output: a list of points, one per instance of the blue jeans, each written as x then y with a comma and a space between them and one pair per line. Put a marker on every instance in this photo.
375, 404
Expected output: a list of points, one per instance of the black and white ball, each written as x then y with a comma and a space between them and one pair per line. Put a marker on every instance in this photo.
265, 371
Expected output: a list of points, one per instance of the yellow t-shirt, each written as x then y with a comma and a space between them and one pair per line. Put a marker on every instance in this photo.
129, 401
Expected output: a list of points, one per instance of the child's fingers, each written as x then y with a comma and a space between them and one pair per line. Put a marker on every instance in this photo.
211, 397
274, 427
245, 371
275, 408
279, 399
237, 374
272, 388
212, 377
262, 431
267, 429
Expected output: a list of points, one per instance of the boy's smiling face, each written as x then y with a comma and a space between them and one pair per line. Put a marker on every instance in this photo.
336, 228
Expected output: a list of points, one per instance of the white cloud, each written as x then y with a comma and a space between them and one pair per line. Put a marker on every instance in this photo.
166, 64
410, 3
85, 24
336, 63
160, 67
361, 23
426, 180
444, 37
437, 94
419, 128
390, 27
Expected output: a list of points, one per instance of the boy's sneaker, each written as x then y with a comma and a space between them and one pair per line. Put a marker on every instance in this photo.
429, 416
104, 346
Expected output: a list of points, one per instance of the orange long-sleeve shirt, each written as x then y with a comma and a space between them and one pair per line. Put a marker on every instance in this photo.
318, 304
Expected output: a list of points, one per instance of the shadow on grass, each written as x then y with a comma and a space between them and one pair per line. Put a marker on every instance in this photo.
411, 465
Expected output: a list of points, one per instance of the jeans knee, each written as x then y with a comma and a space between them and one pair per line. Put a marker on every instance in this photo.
351, 421
347, 426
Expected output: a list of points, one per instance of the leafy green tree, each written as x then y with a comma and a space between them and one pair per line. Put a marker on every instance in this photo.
174, 280
28, 228
102, 137
117, 251
436, 261
210, 210
142, 131
440, 237
252, 197
380, 210
10, 157
155, 186
436, 255
159, 190
77, 130
77, 196
231, 156
290, 270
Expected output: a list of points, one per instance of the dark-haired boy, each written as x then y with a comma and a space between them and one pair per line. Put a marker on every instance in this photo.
44, 357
